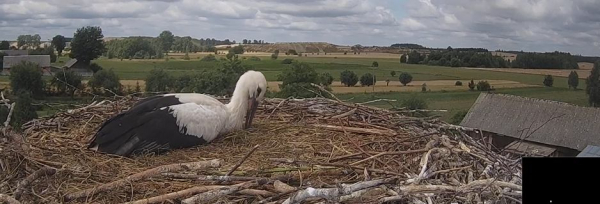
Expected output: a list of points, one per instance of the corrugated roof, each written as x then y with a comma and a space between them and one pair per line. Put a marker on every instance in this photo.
537, 120
528, 148
590, 151
41, 60
71, 62
15, 52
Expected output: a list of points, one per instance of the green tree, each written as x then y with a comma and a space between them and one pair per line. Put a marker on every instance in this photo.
166, 39
4, 45
593, 85
287, 61
348, 78
403, 58
106, 79
458, 117
326, 79
27, 76
95, 67
296, 81
66, 81
291, 52
424, 87
393, 73
24, 110
158, 80
455, 62
138, 89
458, 83
59, 43
548, 81
186, 56
182, 83
274, 56
367, 79
573, 80
415, 103
483, 86
87, 44
375, 64
238, 50
405, 78
414, 58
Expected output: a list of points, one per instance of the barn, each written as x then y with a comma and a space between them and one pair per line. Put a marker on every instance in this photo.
533, 127
78, 67
42, 60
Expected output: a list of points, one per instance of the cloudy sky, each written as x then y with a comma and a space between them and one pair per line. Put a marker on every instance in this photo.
530, 25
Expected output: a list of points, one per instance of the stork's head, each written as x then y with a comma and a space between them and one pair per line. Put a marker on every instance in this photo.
255, 85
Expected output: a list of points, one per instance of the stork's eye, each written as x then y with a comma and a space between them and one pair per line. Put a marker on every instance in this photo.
258, 90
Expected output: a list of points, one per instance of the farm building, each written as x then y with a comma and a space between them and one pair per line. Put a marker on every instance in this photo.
78, 67
42, 60
15, 52
533, 127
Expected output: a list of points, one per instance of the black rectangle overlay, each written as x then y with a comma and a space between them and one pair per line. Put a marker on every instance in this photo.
561, 180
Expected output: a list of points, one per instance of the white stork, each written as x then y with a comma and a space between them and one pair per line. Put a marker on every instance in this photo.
172, 121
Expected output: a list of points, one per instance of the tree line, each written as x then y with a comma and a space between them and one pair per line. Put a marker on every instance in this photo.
246, 41
475, 57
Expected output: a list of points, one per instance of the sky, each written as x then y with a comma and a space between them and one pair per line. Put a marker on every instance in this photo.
529, 25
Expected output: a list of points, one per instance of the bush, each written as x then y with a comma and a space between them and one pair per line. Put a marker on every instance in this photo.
24, 110
424, 87
414, 103
66, 81
326, 79
405, 78
393, 73
403, 58
387, 82
455, 62
375, 64
348, 78
458, 117
296, 81
95, 67
483, 86
274, 56
209, 58
238, 50
27, 76
291, 52
573, 80
548, 81
182, 83
458, 83
158, 81
106, 79
186, 56
287, 61
254, 58
471, 85
367, 79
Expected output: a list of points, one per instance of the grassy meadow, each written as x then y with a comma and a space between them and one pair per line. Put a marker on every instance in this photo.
453, 99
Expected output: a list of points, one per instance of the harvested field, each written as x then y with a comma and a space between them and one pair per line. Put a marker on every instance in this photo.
396, 86
304, 146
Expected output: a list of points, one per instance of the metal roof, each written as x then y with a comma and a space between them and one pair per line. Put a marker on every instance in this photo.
590, 151
41, 60
541, 121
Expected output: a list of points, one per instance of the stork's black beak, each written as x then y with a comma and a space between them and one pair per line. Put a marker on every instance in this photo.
251, 110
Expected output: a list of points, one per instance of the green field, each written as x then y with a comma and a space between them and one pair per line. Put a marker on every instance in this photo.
453, 101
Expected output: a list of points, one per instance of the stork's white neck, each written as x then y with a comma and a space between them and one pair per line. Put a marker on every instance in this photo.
237, 107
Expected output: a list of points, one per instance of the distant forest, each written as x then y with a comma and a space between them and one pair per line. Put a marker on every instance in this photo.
407, 45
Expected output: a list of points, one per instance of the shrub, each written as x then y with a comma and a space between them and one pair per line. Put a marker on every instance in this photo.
458, 117
573, 80
403, 58
24, 110
458, 83
254, 58
238, 50
345, 53
471, 85
367, 79
405, 78
393, 73
287, 61
455, 62
137, 89
27, 76
66, 81
274, 56
95, 67
220, 81
296, 81
424, 87
186, 56
209, 58
387, 82
291, 52
348, 78
182, 83
483, 86
326, 79
158, 81
548, 81
375, 64
414, 103
106, 79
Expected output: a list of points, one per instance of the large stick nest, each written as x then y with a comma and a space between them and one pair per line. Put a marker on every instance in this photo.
317, 143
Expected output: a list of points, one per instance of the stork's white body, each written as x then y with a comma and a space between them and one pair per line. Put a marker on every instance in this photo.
172, 121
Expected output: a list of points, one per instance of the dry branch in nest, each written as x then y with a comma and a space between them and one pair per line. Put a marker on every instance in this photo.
311, 150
